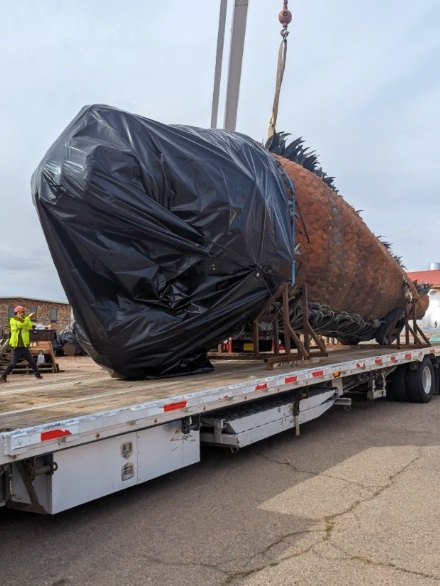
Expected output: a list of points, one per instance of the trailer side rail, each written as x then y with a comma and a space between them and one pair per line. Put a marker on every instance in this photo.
51, 437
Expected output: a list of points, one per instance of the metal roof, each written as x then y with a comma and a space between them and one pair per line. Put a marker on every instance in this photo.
432, 277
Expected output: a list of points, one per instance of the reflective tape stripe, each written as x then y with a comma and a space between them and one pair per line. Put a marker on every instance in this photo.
290, 379
262, 387
54, 434
172, 406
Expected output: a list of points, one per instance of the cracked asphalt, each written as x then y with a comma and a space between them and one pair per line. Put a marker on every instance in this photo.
353, 500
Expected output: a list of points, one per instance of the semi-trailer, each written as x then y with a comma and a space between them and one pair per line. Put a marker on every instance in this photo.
77, 436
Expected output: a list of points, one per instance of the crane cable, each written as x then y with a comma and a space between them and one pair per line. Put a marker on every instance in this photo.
285, 17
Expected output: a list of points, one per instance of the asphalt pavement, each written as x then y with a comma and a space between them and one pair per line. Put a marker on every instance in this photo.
352, 500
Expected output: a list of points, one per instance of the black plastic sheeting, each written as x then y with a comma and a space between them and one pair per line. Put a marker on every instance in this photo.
67, 336
166, 238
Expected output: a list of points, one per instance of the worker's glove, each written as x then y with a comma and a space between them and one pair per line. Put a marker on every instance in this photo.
18, 318
32, 315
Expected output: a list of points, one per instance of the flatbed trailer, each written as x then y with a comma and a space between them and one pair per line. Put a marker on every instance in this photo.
79, 435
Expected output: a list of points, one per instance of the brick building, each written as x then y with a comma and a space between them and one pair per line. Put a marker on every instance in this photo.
55, 313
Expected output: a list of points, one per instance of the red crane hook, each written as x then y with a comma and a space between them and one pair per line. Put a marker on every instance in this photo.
285, 18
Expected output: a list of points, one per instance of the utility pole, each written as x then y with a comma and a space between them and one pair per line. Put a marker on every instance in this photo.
235, 61
218, 62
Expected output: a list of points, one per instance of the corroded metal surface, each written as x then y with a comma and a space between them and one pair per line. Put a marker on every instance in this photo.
343, 264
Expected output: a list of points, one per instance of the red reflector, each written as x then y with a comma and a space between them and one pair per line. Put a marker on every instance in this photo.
261, 387
408, 355
318, 373
290, 379
378, 361
173, 406
54, 434
393, 358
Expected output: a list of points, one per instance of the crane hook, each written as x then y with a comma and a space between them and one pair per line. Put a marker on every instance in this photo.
285, 18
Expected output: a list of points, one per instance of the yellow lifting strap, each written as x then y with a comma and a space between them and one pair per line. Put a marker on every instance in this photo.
285, 17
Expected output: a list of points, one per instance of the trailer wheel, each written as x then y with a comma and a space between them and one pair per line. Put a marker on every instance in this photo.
436, 378
420, 383
399, 384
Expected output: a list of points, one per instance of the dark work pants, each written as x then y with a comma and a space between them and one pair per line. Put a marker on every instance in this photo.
21, 354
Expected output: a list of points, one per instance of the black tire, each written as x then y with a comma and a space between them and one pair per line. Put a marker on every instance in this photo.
437, 379
399, 383
420, 383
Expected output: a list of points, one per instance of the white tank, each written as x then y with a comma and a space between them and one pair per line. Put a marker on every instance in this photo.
434, 266
431, 319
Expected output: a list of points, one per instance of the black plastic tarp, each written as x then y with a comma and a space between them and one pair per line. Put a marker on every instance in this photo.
166, 238
67, 336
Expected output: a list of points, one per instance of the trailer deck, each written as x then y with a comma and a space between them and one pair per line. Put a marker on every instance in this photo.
83, 388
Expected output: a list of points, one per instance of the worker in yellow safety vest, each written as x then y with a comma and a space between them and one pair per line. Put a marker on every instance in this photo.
19, 340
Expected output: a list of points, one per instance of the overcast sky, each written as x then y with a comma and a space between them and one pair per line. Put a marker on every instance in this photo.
361, 86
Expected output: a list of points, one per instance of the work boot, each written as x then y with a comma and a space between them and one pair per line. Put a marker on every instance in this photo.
38, 375
4, 379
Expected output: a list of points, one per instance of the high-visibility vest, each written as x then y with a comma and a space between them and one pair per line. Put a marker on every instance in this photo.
15, 327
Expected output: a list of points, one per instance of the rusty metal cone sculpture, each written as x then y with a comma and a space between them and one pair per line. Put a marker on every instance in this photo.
355, 285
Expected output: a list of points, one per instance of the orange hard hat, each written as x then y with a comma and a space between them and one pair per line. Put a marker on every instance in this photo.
18, 308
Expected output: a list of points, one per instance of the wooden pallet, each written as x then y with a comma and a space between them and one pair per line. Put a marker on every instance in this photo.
37, 348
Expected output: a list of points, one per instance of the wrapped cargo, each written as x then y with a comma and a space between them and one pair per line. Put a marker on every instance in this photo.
168, 239
66, 342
